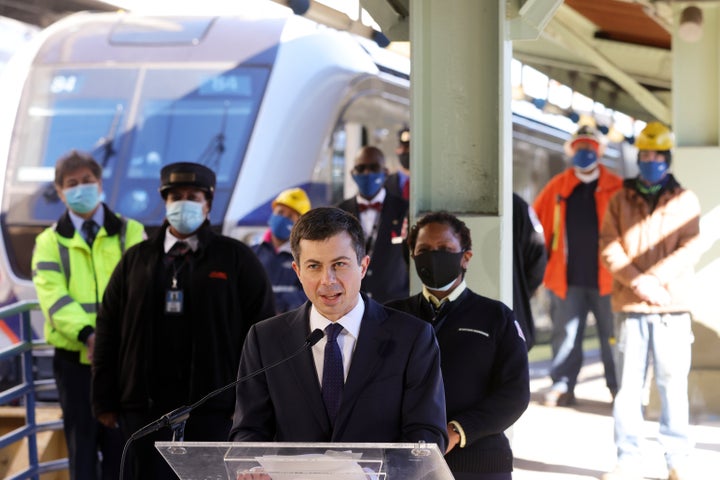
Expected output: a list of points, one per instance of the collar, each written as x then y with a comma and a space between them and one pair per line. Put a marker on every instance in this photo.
379, 197
171, 239
98, 217
450, 298
350, 321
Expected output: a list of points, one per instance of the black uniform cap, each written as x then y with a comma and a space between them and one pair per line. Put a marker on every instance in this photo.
187, 174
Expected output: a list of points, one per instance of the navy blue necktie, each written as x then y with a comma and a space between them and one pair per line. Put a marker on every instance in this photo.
333, 379
90, 230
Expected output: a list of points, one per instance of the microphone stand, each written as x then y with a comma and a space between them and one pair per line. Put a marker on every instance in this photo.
177, 418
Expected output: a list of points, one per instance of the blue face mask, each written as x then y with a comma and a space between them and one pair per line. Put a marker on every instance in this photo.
280, 226
584, 158
185, 216
369, 184
653, 172
83, 198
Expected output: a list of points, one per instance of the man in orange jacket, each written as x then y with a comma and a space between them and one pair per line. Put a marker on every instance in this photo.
571, 209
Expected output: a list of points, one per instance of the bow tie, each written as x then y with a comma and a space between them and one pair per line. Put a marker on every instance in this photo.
369, 206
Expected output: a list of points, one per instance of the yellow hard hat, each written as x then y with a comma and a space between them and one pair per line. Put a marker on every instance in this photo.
655, 136
294, 198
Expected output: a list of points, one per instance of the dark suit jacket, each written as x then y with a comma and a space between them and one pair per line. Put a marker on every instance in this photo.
393, 392
387, 277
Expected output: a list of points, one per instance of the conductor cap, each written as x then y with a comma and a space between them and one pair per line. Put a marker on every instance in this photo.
187, 174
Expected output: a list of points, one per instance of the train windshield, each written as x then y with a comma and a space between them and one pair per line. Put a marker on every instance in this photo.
134, 121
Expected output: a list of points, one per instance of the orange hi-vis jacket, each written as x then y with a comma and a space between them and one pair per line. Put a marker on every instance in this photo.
550, 207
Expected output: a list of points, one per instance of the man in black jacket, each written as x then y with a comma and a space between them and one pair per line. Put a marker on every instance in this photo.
529, 261
382, 217
483, 356
173, 320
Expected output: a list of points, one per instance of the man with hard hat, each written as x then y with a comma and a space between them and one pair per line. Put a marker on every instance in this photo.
571, 209
649, 242
173, 320
274, 251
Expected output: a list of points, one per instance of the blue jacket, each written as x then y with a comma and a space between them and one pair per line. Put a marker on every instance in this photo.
286, 286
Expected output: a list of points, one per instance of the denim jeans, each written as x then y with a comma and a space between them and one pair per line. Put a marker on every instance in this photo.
569, 318
667, 338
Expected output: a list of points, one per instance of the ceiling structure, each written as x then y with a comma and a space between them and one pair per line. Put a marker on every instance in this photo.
44, 12
617, 52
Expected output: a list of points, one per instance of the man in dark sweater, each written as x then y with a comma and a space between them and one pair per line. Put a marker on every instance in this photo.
483, 355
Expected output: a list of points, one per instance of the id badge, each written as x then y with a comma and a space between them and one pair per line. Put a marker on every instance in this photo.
174, 301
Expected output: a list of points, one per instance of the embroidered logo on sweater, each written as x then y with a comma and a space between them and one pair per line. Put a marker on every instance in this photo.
220, 275
472, 330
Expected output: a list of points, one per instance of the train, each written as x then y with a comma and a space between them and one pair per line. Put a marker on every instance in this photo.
269, 100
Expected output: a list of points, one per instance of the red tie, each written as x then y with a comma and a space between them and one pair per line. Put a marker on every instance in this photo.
406, 190
369, 206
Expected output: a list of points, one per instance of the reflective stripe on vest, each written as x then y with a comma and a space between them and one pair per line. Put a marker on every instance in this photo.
65, 260
49, 266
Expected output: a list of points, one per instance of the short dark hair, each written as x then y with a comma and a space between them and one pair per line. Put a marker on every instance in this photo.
75, 160
445, 218
325, 222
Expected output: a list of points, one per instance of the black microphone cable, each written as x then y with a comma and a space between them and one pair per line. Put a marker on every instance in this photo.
181, 414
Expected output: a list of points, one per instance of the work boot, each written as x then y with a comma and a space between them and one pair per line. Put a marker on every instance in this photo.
556, 398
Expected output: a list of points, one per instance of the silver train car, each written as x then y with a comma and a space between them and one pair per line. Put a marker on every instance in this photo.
267, 101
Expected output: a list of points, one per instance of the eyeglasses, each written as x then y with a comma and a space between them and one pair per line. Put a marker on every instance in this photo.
367, 167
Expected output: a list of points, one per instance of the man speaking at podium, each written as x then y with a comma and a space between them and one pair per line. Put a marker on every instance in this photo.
373, 377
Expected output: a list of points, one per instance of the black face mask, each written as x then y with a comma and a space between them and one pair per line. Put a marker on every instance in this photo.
437, 268
404, 160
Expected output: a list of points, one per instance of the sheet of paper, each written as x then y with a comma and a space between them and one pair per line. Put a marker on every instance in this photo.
331, 465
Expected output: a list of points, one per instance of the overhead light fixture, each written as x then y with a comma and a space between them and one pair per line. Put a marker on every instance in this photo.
691, 20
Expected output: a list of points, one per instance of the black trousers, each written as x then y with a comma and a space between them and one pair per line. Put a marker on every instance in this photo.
143, 459
93, 450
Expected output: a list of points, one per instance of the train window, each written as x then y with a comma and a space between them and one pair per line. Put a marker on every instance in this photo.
193, 115
61, 110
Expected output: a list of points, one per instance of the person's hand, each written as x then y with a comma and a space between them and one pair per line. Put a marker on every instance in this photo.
453, 439
649, 289
109, 419
90, 343
255, 473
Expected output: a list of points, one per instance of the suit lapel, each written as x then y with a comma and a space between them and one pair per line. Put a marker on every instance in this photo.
366, 360
303, 367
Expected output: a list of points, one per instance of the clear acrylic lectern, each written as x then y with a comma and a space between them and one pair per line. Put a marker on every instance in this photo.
305, 461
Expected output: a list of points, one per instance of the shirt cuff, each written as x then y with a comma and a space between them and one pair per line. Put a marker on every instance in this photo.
456, 426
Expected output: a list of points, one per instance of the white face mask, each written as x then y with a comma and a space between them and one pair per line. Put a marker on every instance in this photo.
587, 177
185, 216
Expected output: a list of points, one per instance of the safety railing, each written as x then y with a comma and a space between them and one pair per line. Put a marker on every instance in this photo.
25, 392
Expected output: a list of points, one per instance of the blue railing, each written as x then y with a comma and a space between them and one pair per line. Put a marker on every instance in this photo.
26, 393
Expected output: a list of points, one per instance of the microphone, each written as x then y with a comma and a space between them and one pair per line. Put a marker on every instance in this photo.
176, 419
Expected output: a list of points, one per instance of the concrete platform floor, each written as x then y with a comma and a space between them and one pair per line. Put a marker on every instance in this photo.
574, 443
